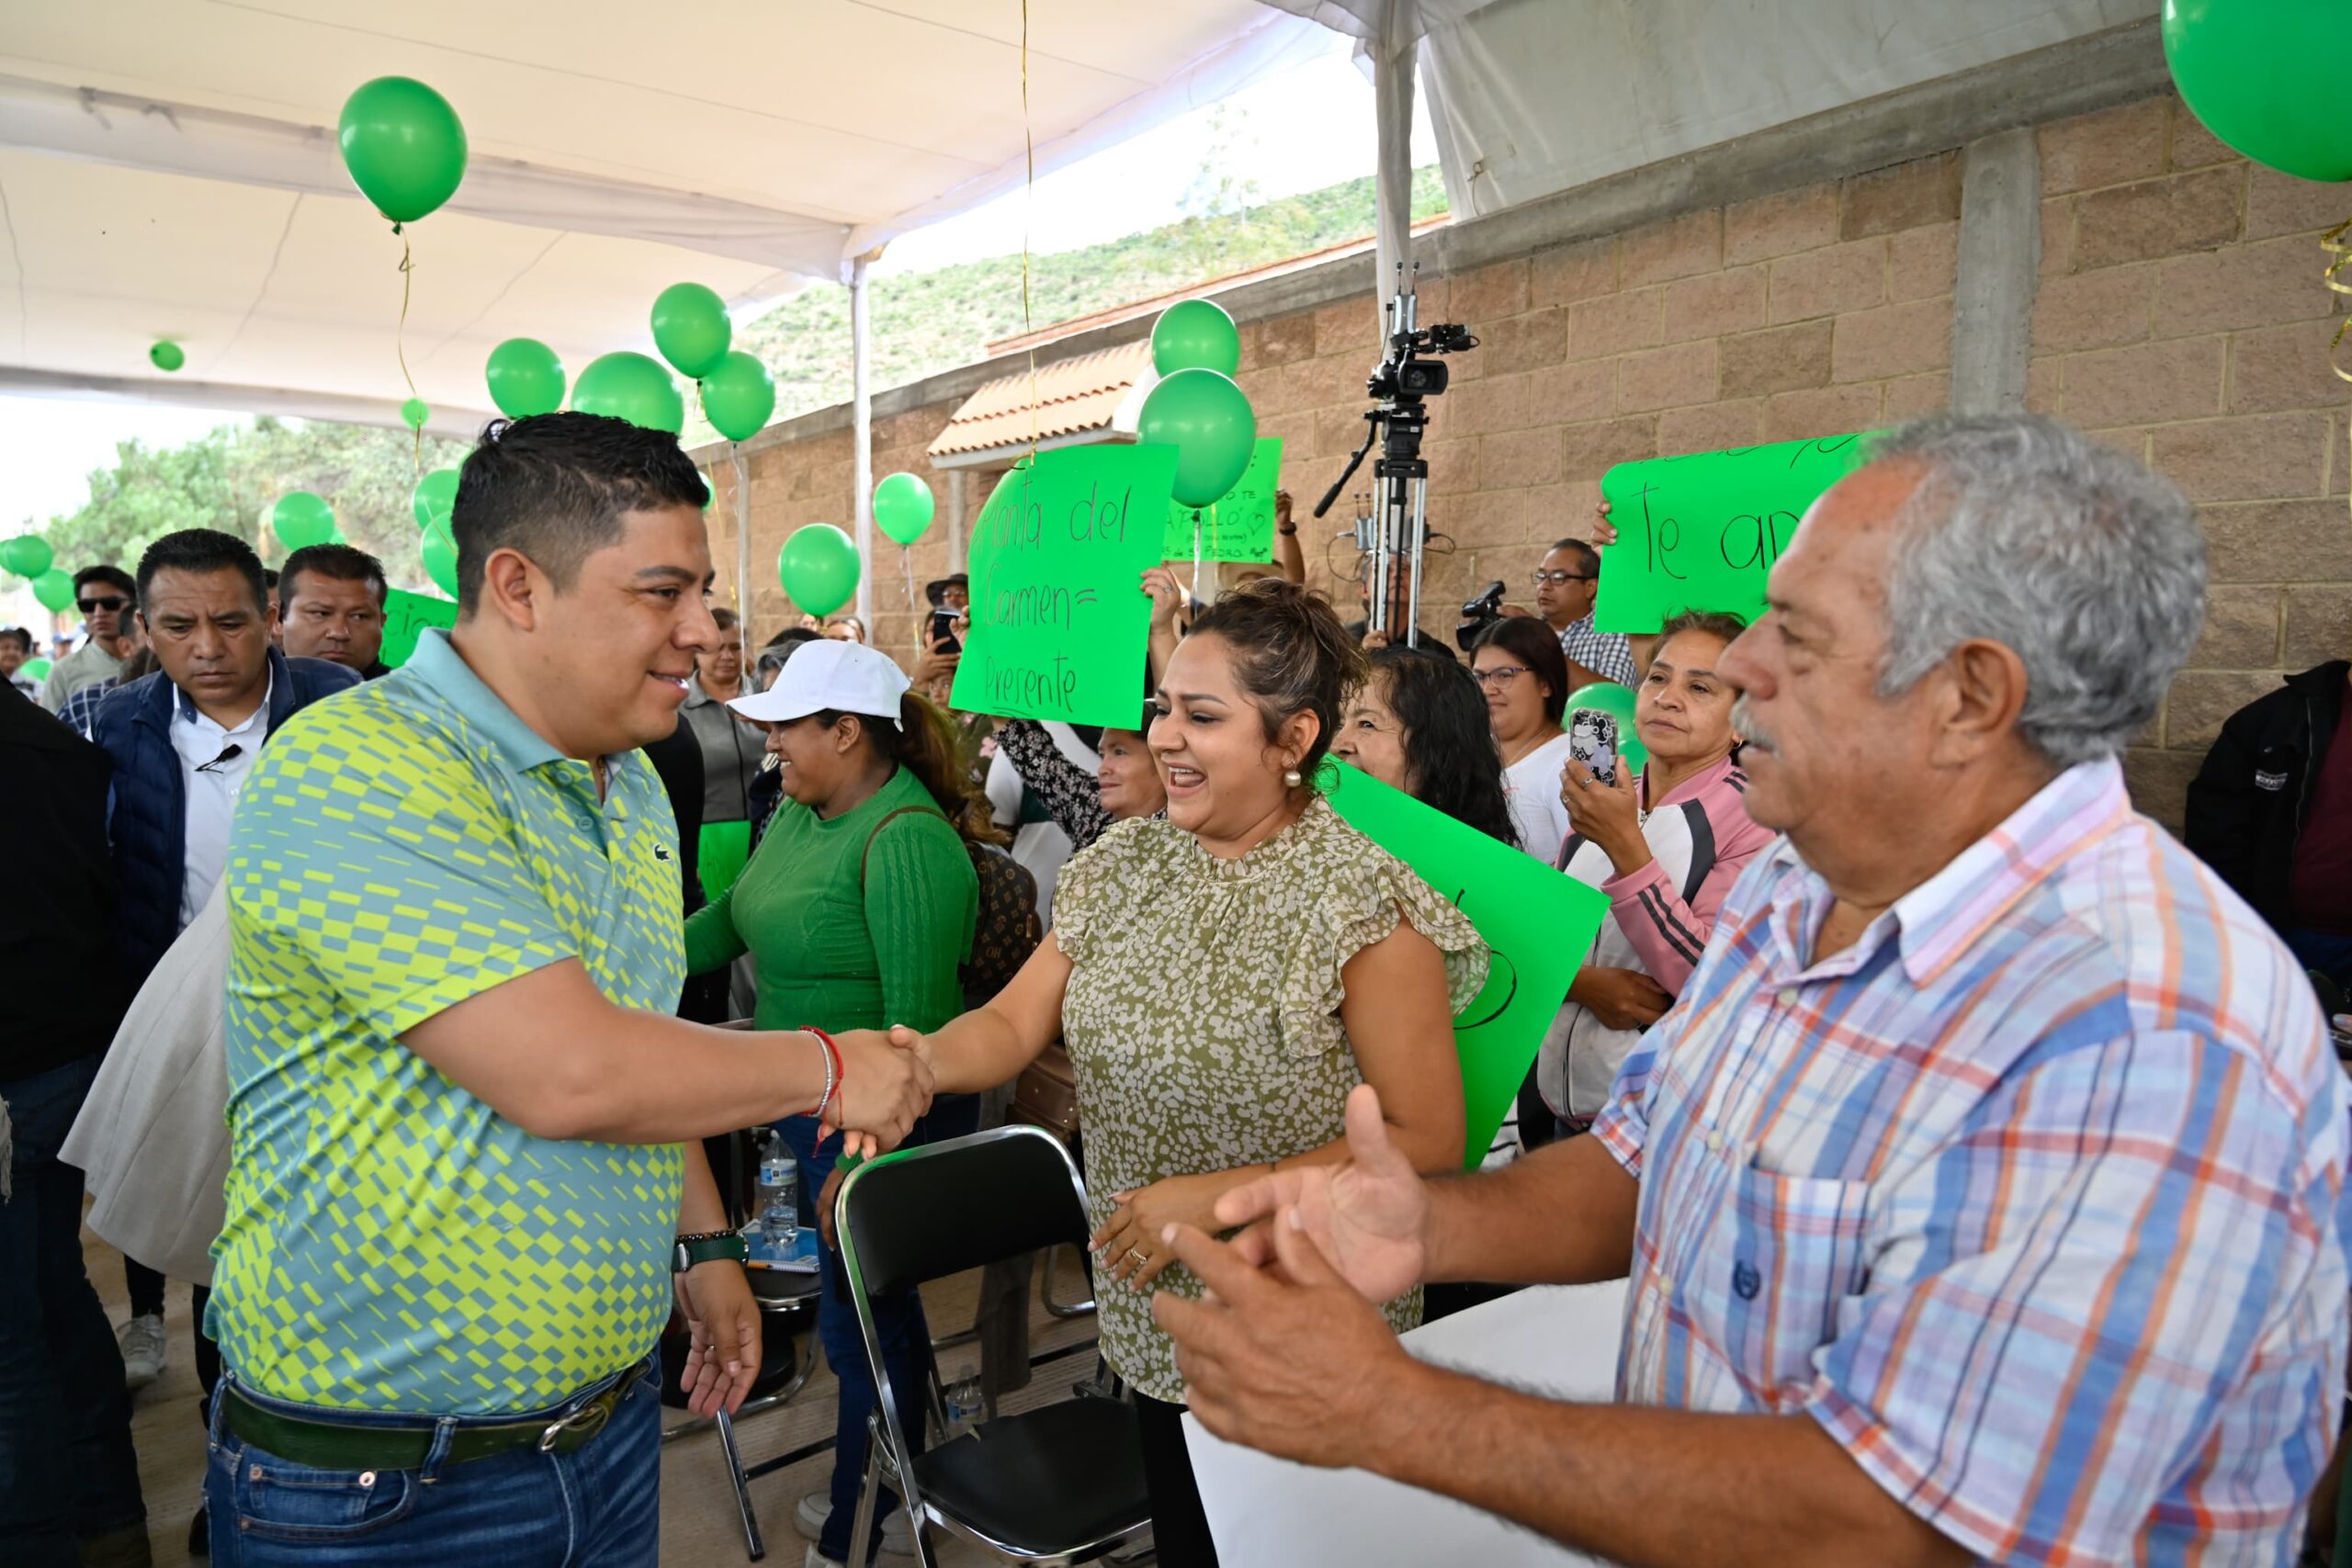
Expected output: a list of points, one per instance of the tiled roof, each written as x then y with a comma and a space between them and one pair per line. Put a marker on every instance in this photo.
1072, 396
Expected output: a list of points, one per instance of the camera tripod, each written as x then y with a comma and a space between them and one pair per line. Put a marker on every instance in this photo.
1394, 536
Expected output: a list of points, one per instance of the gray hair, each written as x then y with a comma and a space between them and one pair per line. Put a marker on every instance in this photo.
2081, 562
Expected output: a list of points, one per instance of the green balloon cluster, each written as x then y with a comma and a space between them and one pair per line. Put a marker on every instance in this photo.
404, 146
34, 669
414, 413
691, 329
2263, 75
1205, 417
26, 555
631, 387
54, 589
166, 356
439, 549
524, 377
434, 497
1195, 334
738, 396
1608, 697
818, 567
903, 507
301, 519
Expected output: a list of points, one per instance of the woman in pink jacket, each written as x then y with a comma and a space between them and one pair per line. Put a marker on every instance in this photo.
1665, 848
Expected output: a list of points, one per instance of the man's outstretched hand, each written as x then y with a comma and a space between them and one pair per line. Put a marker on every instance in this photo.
1366, 1217
886, 1084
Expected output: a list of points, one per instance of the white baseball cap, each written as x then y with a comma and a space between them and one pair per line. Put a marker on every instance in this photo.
844, 677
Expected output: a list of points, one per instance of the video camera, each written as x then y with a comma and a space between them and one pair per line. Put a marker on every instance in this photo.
1478, 615
1404, 376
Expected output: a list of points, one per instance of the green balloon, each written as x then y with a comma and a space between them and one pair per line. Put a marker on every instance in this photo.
817, 565
166, 356
1195, 334
691, 329
54, 589
440, 553
903, 507
414, 413
26, 555
2263, 75
1205, 417
403, 146
738, 397
1608, 697
34, 669
631, 387
435, 495
300, 519
525, 377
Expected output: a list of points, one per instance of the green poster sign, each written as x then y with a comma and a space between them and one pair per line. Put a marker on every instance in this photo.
406, 614
1539, 922
1240, 525
1060, 617
1702, 532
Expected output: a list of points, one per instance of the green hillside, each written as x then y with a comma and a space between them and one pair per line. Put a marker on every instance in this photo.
929, 322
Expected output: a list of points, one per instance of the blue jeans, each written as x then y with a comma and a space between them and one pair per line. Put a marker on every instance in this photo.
898, 1321
599, 1506
67, 1469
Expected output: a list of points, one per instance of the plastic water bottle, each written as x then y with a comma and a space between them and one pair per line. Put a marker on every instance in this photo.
964, 1405
779, 1195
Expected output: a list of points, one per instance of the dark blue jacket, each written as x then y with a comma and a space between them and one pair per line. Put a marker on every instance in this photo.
147, 820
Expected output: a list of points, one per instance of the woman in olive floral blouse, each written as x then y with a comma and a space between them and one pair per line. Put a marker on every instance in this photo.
1223, 977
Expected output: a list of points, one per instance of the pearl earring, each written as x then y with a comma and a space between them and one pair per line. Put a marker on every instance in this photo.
1291, 777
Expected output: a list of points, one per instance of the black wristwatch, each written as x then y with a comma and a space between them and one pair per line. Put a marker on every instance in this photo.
706, 1246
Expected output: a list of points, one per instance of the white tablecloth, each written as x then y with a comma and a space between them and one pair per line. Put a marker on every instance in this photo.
1270, 1513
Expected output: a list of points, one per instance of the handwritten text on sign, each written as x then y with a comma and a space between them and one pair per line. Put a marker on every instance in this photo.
1240, 525
1702, 532
405, 615
1059, 618
1538, 924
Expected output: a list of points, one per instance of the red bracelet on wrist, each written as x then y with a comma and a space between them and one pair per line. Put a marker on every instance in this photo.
833, 1062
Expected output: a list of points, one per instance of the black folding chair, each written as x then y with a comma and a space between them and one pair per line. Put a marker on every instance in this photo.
1060, 1485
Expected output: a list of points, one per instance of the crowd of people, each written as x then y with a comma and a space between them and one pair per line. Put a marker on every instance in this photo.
1973, 1148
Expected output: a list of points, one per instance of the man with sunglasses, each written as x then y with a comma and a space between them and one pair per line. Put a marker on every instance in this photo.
1566, 585
107, 597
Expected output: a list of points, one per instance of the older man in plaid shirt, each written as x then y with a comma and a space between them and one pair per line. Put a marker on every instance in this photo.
1978, 1196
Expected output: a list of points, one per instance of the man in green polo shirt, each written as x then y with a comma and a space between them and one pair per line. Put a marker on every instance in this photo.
464, 1123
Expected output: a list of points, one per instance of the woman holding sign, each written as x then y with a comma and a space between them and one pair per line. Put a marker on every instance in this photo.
1666, 848
1223, 977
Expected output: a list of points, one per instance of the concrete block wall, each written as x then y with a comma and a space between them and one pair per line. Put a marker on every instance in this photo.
2178, 312
2182, 314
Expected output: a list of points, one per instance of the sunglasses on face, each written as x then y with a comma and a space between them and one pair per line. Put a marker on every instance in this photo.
1555, 577
92, 607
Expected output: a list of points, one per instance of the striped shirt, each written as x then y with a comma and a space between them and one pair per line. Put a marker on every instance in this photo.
1606, 654
2029, 1197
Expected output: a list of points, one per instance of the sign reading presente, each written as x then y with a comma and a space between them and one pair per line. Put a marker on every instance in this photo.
1240, 525
1702, 532
405, 615
1060, 617
1539, 922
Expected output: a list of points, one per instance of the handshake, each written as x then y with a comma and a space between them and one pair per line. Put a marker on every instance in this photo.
887, 1083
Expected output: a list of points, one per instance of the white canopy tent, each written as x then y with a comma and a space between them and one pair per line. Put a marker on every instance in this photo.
168, 168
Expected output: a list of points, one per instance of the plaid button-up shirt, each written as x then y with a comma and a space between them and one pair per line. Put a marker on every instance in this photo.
2029, 1197
1606, 654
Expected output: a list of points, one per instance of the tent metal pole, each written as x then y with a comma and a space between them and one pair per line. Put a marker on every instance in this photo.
1394, 54
861, 436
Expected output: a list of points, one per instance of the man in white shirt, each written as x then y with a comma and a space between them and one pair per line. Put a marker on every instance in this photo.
183, 741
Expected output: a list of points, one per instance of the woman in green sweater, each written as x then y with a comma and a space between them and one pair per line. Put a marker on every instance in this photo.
857, 909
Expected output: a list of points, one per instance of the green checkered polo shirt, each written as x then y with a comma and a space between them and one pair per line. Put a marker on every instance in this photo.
392, 1243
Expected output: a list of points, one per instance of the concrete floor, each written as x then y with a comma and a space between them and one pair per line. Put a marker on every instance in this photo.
700, 1525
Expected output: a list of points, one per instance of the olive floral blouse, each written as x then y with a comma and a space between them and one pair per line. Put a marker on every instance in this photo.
1203, 1016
